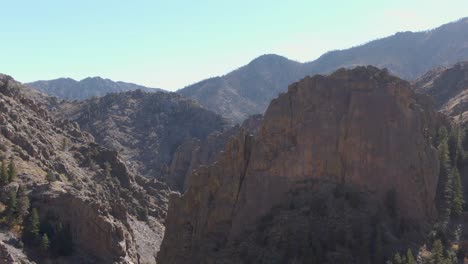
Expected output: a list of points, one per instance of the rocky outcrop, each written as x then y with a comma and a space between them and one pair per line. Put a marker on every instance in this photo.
147, 129
341, 165
87, 211
195, 153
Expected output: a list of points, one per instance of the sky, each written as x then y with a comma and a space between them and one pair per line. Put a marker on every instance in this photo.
171, 44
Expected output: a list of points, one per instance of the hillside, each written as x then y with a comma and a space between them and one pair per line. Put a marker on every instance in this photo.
408, 55
448, 86
66, 199
148, 129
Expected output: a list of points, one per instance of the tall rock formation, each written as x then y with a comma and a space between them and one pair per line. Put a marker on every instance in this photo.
342, 170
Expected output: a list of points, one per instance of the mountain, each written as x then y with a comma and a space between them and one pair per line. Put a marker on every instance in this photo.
65, 198
320, 181
247, 90
70, 89
448, 86
148, 129
408, 55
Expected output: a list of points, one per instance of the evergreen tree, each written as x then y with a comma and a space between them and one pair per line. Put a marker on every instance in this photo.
437, 253
12, 204
23, 202
33, 225
397, 259
4, 177
51, 177
409, 257
378, 245
65, 144
448, 192
108, 169
457, 193
45, 244
12, 170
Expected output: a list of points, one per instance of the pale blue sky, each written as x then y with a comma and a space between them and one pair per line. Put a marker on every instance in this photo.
170, 44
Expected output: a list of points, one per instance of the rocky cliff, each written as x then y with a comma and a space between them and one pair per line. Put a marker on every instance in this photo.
148, 129
90, 206
341, 170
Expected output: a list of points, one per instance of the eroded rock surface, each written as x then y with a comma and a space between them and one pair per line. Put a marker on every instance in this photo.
340, 164
94, 198
146, 128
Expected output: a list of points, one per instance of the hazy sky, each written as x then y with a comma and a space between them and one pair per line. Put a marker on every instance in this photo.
171, 44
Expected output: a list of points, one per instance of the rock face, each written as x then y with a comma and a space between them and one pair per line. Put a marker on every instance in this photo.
96, 209
146, 128
66, 88
249, 89
449, 88
324, 179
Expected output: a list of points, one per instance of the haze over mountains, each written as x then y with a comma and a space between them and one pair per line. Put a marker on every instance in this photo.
249, 89
67, 88
137, 176
408, 55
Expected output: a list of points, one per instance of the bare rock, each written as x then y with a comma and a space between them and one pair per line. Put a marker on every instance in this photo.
332, 155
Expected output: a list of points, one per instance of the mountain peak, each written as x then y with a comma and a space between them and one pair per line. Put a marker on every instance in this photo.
268, 58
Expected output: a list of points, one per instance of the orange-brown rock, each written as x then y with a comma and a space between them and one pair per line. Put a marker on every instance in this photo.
340, 164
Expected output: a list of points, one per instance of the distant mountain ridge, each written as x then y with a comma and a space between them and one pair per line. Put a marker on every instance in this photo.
249, 89
70, 89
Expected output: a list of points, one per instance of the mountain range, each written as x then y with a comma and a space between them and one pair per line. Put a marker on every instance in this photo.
249, 89
355, 165
67, 88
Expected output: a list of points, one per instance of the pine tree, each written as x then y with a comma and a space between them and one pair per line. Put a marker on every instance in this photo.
23, 202
33, 225
51, 177
397, 259
409, 257
108, 169
12, 204
457, 193
12, 170
378, 245
65, 144
4, 177
437, 253
45, 244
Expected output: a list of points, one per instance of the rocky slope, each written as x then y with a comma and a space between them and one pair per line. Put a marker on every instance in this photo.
321, 181
448, 86
153, 132
91, 207
70, 89
249, 89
